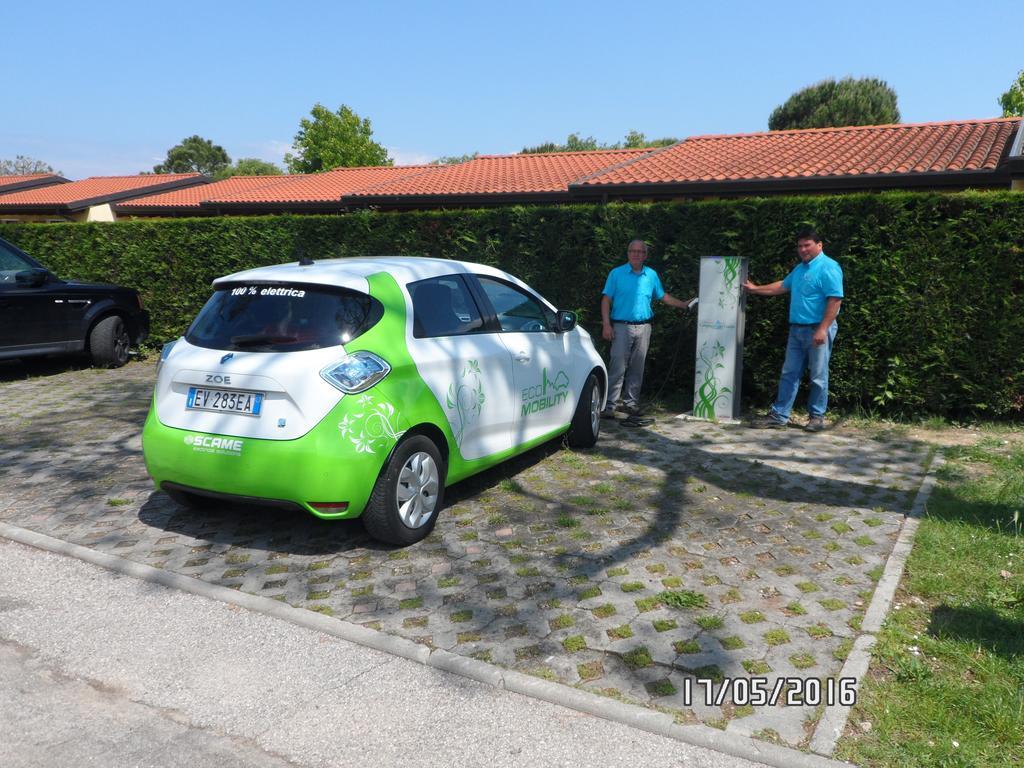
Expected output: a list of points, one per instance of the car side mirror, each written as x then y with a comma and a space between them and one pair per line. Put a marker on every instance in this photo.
32, 278
565, 321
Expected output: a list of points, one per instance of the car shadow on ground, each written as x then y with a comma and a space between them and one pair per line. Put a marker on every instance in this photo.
35, 367
265, 527
294, 532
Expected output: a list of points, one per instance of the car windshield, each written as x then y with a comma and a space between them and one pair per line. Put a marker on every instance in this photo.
259, 317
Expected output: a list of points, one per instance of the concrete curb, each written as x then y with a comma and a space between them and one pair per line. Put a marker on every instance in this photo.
833, 722
632, 715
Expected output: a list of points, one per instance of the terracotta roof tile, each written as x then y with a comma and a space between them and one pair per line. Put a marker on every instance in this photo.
326, 187
191, 197
504, 174
30, 180
96, 189
968, 145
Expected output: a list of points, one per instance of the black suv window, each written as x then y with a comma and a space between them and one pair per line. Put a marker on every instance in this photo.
11, 263
259, 317
517, 310
443, 306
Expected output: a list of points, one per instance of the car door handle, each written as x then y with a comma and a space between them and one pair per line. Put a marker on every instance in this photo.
522, 357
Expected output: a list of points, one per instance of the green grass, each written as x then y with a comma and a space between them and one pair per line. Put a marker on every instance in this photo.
574, 644
710, 622
683, 598
964, 617
819, 631
638, 658
661, 688
664, 625
589, 593
776, 637
756, 667
620, 633
648, 604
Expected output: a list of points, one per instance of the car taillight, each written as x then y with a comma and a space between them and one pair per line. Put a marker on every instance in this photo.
164, 353
356, 372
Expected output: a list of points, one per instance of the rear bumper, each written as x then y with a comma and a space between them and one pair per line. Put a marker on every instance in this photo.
321, 467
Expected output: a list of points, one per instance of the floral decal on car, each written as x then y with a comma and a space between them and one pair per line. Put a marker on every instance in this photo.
465, 400
372, 428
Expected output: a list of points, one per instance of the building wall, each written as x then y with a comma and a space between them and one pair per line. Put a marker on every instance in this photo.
99, 213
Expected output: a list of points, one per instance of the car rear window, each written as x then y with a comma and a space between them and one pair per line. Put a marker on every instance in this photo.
261, 317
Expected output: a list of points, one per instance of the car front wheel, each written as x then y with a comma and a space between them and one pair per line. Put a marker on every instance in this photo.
109, 342
408, 495
586, 422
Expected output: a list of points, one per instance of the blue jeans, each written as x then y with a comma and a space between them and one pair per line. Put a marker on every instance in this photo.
801, 355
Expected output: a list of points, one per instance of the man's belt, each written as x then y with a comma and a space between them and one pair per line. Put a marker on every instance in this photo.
633, 322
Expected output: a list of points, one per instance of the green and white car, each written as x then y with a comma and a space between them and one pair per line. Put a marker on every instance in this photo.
362, 387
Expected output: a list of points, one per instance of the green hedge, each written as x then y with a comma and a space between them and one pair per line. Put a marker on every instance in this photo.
933, 320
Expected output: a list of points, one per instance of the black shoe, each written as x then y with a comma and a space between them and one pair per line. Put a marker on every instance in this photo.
815, 424
768, 422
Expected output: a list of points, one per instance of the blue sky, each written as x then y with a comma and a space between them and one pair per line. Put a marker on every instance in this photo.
107, 88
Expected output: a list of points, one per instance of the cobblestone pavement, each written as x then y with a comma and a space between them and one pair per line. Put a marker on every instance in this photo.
664, 557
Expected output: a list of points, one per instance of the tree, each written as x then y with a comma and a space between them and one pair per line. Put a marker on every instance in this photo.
194, 155
828, 104
633, 140
1012, 101
250, 166
24, 166
573, 143
454, 159
334, 140
637, 140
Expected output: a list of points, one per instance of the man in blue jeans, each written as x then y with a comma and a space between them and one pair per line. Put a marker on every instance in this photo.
815, 288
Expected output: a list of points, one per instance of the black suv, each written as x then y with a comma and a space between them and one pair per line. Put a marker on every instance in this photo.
40, 314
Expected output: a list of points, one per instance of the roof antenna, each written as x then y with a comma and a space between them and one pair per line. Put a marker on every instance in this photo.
304, 260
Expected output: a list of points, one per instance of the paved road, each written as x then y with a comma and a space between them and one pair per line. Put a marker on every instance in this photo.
107, 670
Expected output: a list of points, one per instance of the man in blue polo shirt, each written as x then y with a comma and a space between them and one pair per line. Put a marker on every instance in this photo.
815, 288
626, 319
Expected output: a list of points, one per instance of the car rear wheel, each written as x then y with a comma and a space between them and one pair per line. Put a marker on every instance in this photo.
408, 495
586, 422
109, 342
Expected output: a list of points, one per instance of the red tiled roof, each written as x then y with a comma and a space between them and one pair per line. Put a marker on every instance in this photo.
94, 190
30, 180
968, 145
504, 174
326, 187
191, 197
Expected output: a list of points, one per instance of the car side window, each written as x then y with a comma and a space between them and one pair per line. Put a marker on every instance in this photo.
443, 306
516, 309
11, 263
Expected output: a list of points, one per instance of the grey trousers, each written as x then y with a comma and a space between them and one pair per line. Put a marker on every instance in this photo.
626, 366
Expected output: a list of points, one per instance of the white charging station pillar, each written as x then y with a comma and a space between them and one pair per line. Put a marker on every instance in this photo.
720, 317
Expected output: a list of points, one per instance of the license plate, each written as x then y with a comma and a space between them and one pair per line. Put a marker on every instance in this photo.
224, 401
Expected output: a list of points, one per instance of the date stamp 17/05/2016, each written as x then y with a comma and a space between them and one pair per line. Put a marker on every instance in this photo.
760, 691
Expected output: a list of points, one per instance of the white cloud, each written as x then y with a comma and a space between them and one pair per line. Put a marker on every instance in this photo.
409, 157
